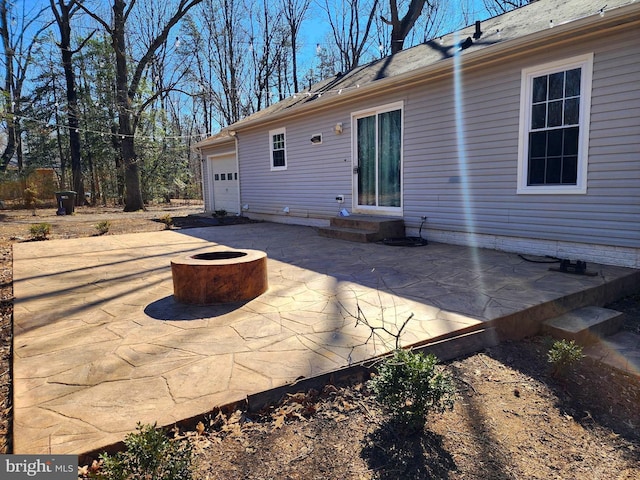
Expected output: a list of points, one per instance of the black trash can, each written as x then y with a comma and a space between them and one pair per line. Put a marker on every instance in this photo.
66, 202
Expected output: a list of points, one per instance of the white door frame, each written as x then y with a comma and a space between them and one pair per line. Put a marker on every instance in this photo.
376, 209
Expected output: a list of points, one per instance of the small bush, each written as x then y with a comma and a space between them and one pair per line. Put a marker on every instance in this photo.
30, 198
40, 231
103, 227
149, 454
563, 355
167, 220
410, 385
220, 213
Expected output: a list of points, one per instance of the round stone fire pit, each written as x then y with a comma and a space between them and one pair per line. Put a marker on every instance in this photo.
222, 276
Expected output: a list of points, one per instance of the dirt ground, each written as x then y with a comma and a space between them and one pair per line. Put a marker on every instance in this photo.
512, 419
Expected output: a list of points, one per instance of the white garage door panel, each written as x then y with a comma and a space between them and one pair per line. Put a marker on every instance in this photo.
224, 182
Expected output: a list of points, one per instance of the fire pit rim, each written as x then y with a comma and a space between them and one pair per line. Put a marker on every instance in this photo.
219, 255
248, 255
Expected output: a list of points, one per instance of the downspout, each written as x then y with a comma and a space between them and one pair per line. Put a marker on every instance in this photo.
202, 177
234, 134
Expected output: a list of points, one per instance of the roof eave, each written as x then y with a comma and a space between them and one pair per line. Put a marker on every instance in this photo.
216, 140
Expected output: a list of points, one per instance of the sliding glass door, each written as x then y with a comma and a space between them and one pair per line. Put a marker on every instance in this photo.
378, 160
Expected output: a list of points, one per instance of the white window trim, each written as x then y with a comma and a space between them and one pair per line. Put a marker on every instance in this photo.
277, 131
586, 63
388, 107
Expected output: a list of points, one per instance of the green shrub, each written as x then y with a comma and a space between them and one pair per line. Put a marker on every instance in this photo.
149, 454
30, 197
40, 231
410, 385
220, 213
103, 227
563, 355
167, 220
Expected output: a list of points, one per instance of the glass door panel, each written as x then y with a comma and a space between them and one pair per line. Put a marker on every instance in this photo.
389, 159
378, 168
367, 160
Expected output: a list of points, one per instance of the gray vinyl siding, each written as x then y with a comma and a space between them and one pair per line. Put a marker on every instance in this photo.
434, 186
315, 174
480, 198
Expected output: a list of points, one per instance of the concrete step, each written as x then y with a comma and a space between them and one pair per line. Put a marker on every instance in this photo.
363, 228
367, 222
349, 234
620, 351
585, 325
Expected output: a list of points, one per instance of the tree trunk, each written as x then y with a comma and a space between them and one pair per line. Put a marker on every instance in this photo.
132, 195
127, 92
294, 61
400, 28
10, 149
63, 19
63, 158
119, 173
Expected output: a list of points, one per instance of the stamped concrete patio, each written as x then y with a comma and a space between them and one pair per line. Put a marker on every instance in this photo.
100, 344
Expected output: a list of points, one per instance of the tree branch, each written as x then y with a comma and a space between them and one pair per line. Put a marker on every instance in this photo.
96, 17
183, 8
84, 42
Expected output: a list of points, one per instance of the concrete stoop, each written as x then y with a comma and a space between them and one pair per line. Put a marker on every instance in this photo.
585, 325
363, 228
597, 330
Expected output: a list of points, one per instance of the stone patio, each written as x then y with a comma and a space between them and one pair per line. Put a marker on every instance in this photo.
100, 344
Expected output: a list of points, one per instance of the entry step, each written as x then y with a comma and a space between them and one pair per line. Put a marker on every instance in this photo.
363, 228
584, 325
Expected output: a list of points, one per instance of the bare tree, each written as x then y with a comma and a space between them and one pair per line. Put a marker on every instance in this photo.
350, 28
223, 23
200, 51
432, 22
63, 12
235, 57
259, 50
17, 60
128, 81
294, 14
400, 27
498, 7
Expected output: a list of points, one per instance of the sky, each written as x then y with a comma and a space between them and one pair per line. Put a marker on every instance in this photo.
315, 29
314, 33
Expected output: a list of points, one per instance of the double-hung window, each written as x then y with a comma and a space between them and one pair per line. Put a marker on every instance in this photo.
278, 149
554, 127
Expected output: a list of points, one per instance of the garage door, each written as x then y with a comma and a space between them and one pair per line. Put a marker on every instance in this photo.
224, 183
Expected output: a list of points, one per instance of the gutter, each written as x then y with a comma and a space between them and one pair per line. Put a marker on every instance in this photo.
568, 31
216, 139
